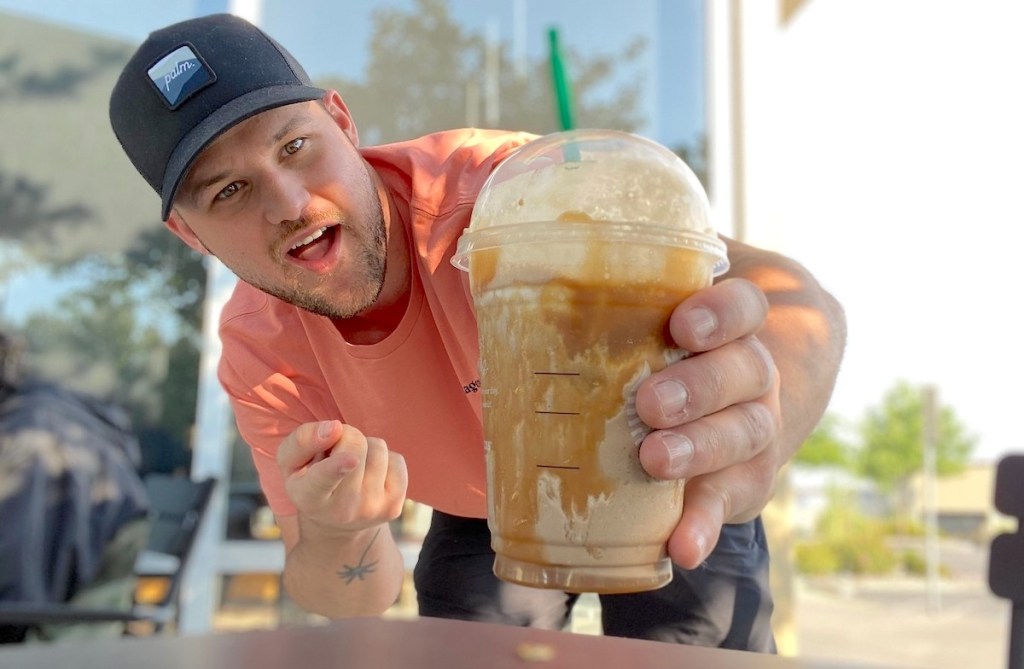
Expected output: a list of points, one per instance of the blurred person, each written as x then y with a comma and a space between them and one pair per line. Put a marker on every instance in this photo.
73, 504
350, 348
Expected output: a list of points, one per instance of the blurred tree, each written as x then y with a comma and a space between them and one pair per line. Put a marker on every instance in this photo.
95, 342
892, 437
28, 217
131, 335
427, 73
696, 157
13, 260
825, 447
175, 277
176, 280
166, 443
108, 336
66, 80
26, 213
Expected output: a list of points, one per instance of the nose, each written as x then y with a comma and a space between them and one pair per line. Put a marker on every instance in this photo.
284, 197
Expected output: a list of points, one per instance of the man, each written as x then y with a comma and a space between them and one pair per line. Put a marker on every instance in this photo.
350, 351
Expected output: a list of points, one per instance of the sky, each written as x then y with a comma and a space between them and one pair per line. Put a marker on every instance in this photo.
886, 144
899, 181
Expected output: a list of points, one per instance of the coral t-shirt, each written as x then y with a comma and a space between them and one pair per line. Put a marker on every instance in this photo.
418, 389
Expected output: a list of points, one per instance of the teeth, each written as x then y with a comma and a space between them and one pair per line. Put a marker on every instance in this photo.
315, 235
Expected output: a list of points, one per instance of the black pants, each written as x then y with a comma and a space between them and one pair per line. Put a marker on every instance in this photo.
726, 602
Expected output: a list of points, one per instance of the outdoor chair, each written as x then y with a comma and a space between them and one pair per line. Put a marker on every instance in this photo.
177, 507
1006, 563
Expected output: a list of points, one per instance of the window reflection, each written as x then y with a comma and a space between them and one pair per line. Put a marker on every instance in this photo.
114, 302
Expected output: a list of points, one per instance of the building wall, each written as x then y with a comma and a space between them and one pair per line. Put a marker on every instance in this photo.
965, 502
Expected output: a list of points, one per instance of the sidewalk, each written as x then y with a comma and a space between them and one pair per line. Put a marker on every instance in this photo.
887, 623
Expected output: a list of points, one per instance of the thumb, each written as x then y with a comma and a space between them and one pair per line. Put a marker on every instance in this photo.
313, 465
307, 444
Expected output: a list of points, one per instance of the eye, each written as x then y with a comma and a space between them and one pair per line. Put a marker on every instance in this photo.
294, 145
228, 191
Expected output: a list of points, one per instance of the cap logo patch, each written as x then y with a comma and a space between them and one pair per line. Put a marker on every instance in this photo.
180, 75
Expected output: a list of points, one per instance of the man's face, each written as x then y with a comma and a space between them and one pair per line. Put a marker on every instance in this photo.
287, 203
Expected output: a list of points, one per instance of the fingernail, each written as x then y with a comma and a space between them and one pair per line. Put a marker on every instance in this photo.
679, 449
673, 397
701, 321
323, 431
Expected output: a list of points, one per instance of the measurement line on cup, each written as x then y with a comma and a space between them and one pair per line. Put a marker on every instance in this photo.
558, 467
557, 413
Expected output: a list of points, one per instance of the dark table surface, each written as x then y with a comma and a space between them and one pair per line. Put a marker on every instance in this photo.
371, 643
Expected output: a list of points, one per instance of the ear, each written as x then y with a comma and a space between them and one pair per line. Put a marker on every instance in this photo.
339, 112
184, 232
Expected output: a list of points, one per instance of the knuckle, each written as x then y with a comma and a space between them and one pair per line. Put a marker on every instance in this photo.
397, 468
709, 448
743, 307
351, 434
760, 360
759, 299
759, 423
714, 381
750, 297
761, 488
763, 492
723, 498
396, 508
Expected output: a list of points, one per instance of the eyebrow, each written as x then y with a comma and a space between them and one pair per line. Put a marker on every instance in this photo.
192, 189
289, 126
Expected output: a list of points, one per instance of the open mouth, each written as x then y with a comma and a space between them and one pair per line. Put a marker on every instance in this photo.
316, 245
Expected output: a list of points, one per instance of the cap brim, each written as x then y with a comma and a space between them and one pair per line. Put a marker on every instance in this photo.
231, 114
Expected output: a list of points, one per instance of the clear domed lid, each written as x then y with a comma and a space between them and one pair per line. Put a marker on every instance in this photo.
614, 183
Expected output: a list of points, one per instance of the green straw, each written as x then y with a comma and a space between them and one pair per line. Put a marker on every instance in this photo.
560, 78
563, 94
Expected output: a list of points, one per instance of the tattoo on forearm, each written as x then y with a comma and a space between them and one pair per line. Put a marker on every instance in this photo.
350, 573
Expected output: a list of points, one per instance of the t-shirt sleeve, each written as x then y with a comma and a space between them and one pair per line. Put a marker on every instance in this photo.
267, 408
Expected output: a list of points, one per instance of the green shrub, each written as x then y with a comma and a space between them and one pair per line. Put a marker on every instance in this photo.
847, 542
816, 559
869, 554
914, 563
902, 526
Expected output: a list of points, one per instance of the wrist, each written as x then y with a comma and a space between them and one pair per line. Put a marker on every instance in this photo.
319, 536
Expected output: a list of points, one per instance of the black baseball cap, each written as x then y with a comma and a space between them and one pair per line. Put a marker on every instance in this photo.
190, 82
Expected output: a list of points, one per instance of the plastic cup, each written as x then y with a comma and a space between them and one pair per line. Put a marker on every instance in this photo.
580, 246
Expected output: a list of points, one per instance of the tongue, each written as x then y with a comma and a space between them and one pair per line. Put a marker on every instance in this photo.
315, 250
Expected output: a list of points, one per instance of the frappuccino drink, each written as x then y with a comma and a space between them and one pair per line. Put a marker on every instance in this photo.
581, 245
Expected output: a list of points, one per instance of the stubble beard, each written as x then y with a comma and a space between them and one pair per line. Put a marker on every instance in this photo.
365, 288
